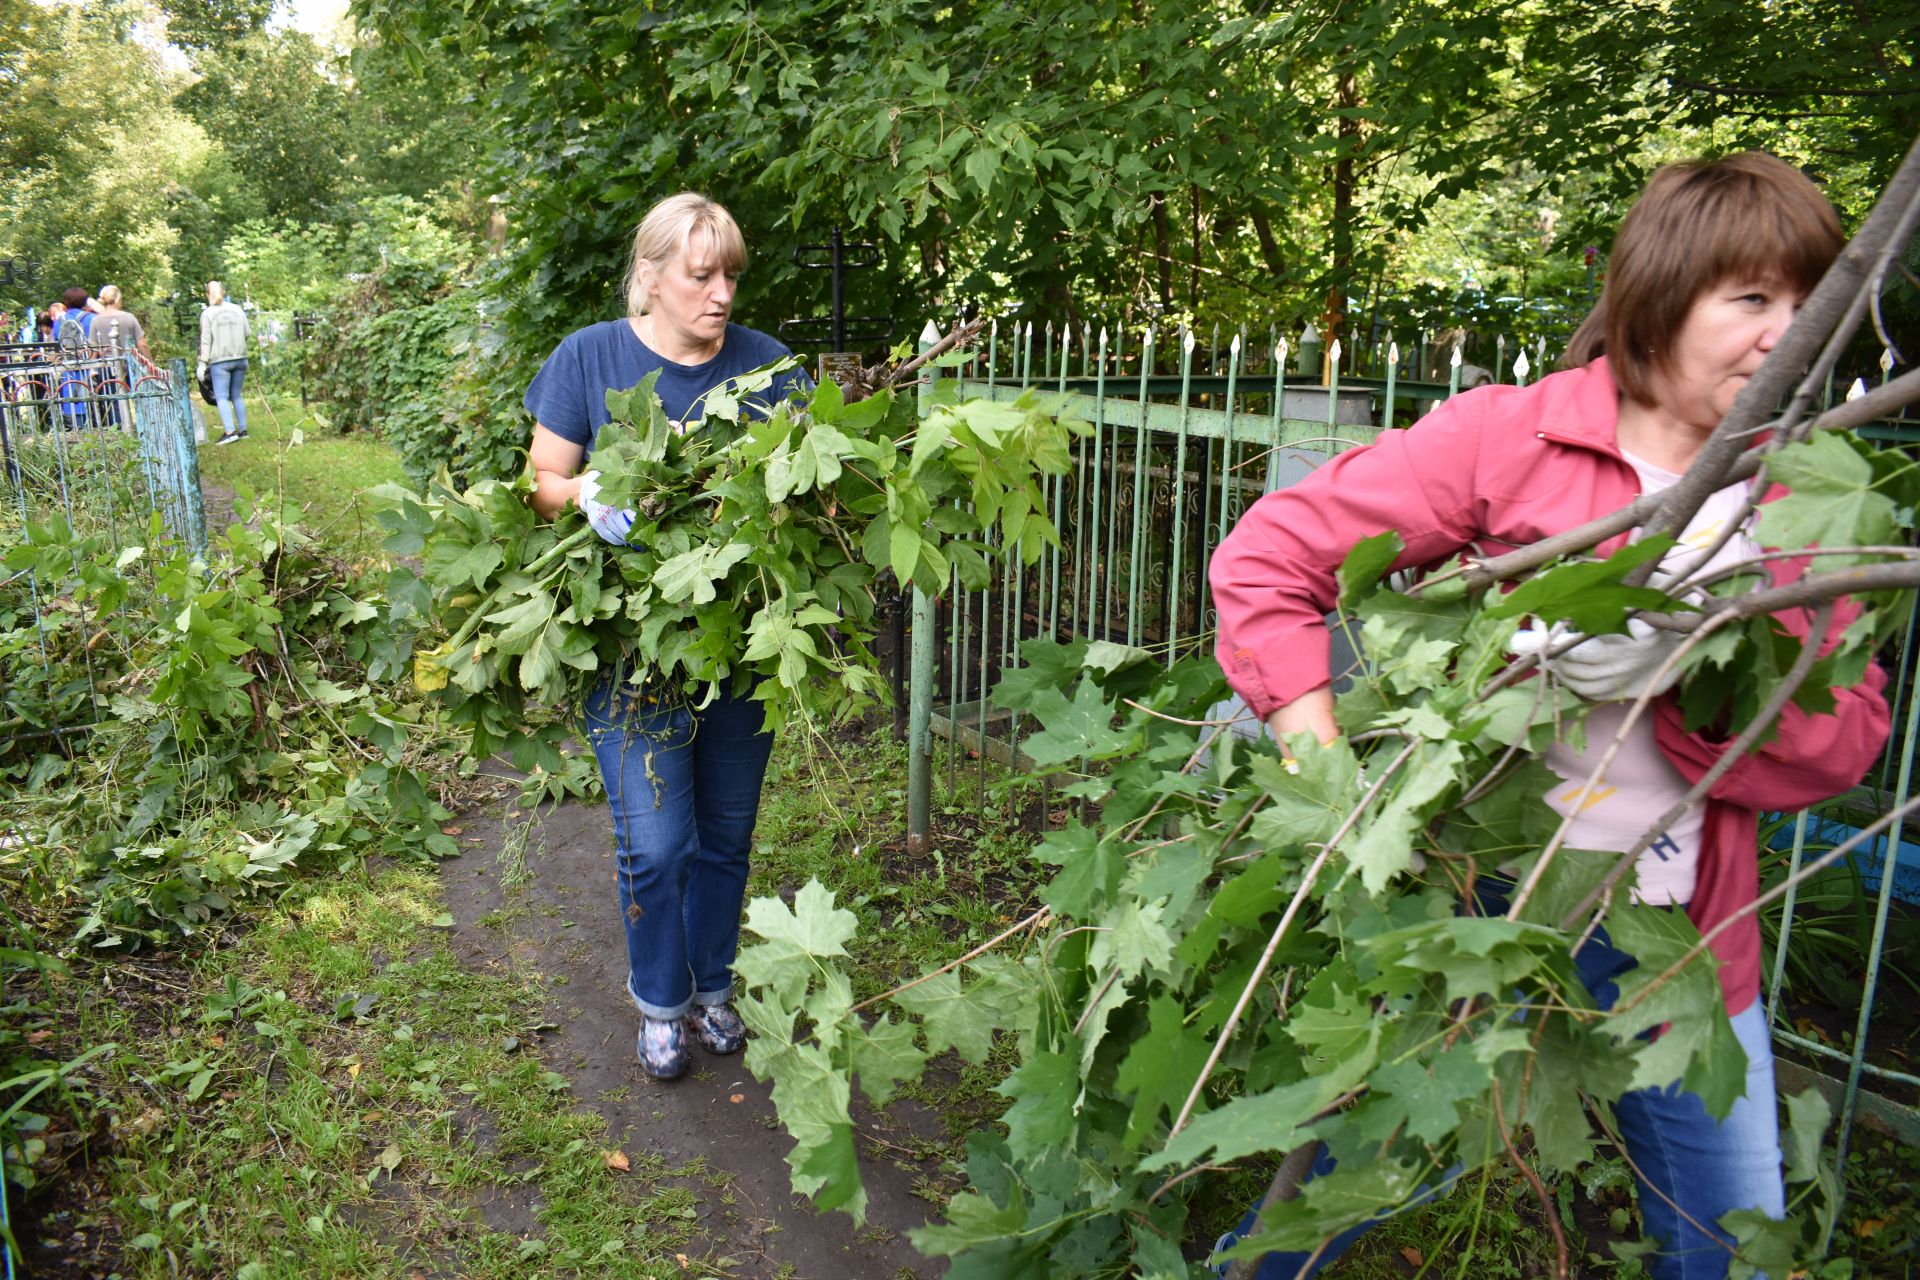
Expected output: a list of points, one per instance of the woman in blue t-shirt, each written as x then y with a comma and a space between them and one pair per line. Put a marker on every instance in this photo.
684, 785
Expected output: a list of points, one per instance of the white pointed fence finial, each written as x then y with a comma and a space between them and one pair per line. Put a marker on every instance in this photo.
1886, 361
1393, 353
1858, 389
1280, 353
930, 333
1522, 367
1333, 352
1456, 361
1187, 343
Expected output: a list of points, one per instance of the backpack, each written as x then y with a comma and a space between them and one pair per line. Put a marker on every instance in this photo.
75, 329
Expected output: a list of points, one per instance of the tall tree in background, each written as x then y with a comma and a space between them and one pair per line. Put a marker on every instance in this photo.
92, 148
270, 101
197, 25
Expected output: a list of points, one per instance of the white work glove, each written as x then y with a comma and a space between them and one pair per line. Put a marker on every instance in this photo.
1618, 667
200, 371
612, 523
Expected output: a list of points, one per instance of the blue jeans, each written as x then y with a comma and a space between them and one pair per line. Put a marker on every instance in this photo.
684, 787
227, 375
1690, 1166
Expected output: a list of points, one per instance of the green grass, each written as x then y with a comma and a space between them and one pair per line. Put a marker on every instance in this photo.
293, 458
309, 1105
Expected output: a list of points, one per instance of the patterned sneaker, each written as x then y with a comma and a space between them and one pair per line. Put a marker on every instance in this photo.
662, 1048
717, 1027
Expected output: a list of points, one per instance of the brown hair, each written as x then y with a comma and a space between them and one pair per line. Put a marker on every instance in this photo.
1698, 223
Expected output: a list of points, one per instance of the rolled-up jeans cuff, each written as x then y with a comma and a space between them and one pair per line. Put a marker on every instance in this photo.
665, 1013
722, 996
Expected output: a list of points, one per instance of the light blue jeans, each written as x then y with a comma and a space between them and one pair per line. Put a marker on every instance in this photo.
684, 787
227, 375
1692, 1169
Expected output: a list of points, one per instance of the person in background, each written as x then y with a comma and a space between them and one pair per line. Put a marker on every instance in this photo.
75, 328
683, 783
1707, 272
118, 330
223, 356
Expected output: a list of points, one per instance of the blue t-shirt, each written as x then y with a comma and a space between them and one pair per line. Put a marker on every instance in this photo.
569, 394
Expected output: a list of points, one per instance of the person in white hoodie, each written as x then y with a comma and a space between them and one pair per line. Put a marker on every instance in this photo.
223, 355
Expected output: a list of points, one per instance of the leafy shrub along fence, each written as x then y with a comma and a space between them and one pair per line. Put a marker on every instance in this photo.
386, 356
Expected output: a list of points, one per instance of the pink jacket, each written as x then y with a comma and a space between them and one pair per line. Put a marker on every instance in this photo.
1490, 470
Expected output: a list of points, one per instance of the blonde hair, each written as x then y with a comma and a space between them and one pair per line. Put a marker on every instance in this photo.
668, 229
109, 295
216, 292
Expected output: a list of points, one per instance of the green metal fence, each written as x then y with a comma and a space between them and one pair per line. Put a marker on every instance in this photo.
100, 444
1185, 435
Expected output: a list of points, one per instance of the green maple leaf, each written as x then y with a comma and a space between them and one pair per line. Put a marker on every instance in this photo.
1132, 940
521, 624
1423, 1098
814, 930
1383, 847
1043, 1115
1308, 798
813, 461
812, 1100
1090, 871
1044, 664
885, 1054
1833, 502
949, 1018
1160, 1069
1331, 1020
1473, 955
1587, 594
1275, 1121
834, 1171
1076, 728
972, 1220
1343, 1198
451, 564
1366, 563
1697, 1046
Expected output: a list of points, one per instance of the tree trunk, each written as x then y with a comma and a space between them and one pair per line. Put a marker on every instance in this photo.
1269, 247
1346, 97
1163, 244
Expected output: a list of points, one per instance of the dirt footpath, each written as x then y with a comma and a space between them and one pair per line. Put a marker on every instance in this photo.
560, 929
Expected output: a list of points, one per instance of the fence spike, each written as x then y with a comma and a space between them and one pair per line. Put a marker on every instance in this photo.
1858, 389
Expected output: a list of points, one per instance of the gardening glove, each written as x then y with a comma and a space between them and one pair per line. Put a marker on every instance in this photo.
612, 523
200, 371
1618, 667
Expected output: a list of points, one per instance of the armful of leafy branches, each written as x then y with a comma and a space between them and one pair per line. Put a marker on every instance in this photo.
756, 558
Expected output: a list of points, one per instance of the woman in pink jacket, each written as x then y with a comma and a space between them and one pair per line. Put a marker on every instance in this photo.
1706, 273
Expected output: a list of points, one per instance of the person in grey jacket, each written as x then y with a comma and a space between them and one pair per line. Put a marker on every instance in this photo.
223, 354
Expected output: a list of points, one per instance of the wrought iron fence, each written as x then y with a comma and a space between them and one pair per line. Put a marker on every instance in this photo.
97, 443
1185, 435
